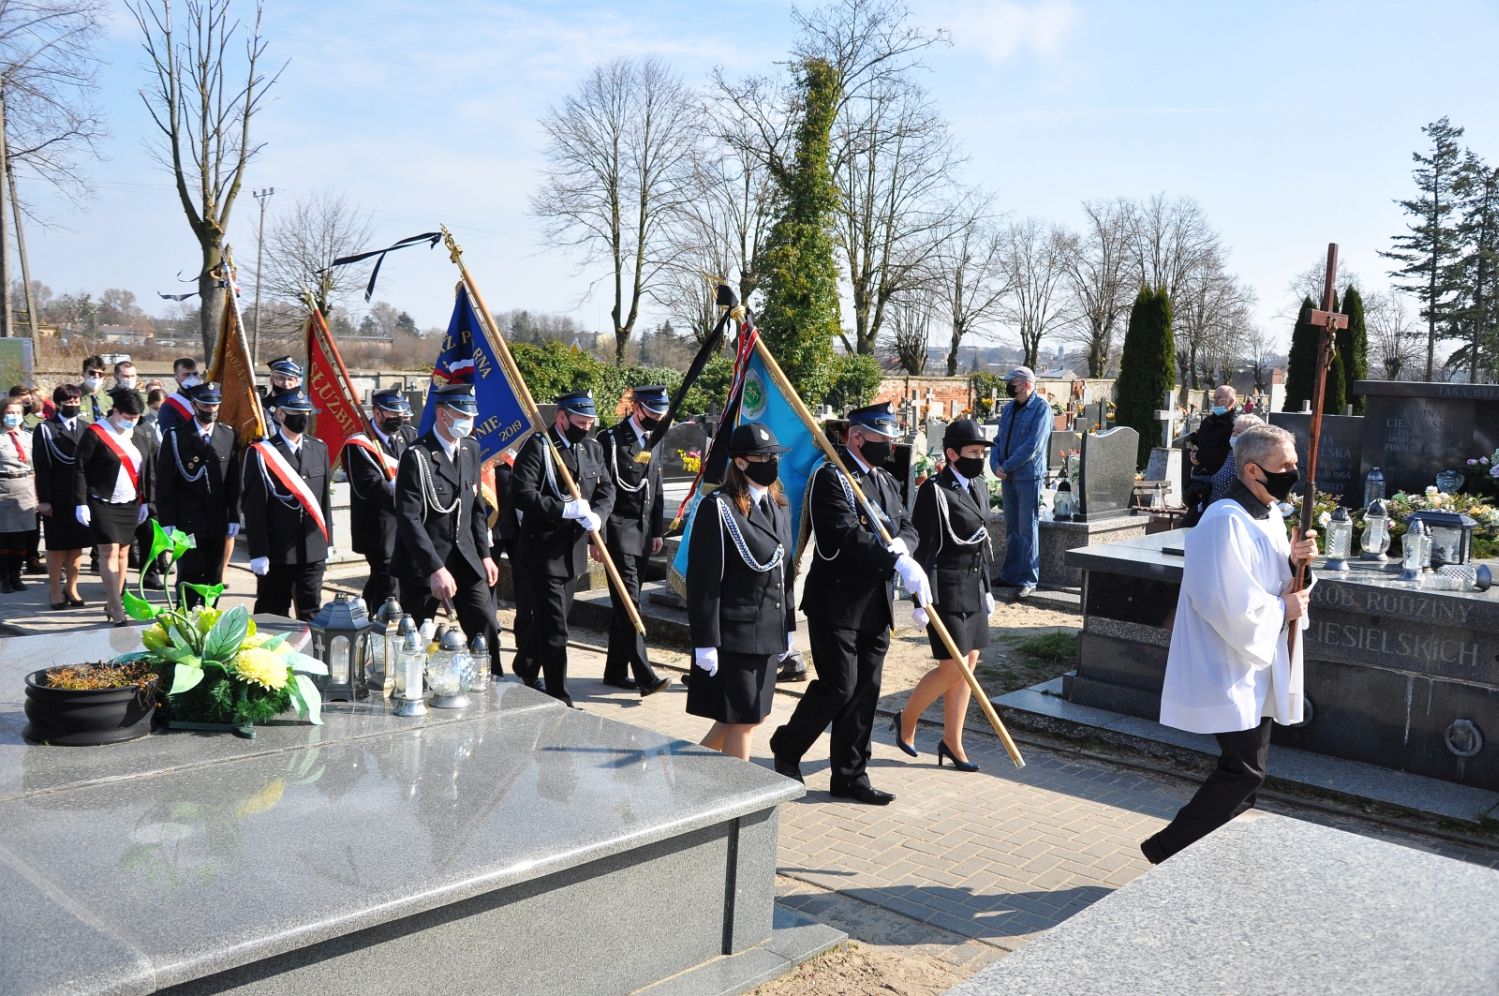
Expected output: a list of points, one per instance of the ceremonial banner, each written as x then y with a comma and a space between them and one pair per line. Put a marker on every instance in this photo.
340, 415
467, 357
233, 369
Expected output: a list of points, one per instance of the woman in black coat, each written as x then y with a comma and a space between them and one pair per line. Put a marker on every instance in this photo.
739, 601
952, 523
55, 445
112, 491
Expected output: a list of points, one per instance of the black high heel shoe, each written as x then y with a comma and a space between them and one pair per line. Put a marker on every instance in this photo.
943, 751
895, 729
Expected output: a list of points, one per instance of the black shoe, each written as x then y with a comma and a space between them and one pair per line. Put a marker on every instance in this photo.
909, 748
655, 686
788, 768
75, 601
57, 606
16, 584
862, 792
792, 670
121, 622
943, 751
628, 684
154, 581
6, 587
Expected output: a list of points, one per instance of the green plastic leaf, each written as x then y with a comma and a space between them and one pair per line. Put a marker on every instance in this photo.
138, 608
274, 642
223, 641
311, 707
209, 592
159, 543
181, 543
179, 655
185, 677
131, 658
303, 664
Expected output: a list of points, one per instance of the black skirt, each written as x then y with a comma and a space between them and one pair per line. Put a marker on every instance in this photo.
970, 631
742, 690
113, 523
64, 532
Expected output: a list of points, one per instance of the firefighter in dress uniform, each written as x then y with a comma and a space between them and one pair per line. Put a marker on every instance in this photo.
370, 465
197, 488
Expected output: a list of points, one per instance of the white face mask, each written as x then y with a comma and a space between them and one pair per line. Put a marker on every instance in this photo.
126, 424
91, 383
11, 421
461, 427
127, 382
191, 380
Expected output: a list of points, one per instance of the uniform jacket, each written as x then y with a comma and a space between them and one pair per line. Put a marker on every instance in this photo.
147, 441
95, 405
372, 504
1020, 443
637, 515
96, 468
1229, 666
730, 605
959, 573
851, 580
276, 526
426, 539
54, 447
548, 544
203, 507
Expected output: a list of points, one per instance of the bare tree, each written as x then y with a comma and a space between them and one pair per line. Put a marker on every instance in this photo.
203, 103
967, 275
302, 241
1395, 342
1210, 320
1261, 357
620, 155
1169, 241
912, 313
1101, 279
1033, 260
1310, 282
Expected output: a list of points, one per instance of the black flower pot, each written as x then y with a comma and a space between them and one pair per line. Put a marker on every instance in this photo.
86, 718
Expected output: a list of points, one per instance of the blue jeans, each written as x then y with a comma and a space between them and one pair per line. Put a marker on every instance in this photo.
1022, 501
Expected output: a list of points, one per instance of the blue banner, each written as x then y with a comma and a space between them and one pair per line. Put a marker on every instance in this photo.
468, 358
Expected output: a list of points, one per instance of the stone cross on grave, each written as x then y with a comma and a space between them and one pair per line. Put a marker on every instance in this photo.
1168, 416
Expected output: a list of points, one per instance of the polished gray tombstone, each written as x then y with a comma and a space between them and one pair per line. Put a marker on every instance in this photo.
1268, 904
514, 846
1062, 440
1339, 454
1416, 430
1107, 481
684, 437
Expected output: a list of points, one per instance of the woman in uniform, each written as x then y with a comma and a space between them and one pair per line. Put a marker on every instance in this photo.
112, 491
55, 444
17, 494
952, 521
739, 598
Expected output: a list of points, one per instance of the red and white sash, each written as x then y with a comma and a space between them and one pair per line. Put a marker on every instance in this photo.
181, 407
272, 460
131, 470
382, 459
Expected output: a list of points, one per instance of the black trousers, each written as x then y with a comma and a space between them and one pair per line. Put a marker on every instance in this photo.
380, 584
626, 645
472, 600
544, 649
849, 666
520, 587
202, 565
1229, 790
278, 587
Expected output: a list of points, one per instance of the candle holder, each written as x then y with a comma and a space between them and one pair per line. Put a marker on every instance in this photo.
412, 661
477, 679
1376, 538
385, 648
1413, 549
445, 671
1339, 540
1462, 577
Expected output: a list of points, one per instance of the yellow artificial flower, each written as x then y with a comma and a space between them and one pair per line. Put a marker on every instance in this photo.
154, 637
261, 667
205, 618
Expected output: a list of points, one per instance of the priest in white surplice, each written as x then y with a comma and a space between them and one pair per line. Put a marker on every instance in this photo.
1230, 671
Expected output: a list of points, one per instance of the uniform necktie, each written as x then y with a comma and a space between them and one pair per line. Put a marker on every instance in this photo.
15, 440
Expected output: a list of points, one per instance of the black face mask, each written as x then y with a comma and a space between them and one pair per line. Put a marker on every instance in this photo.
70, 411
1279, 485
575, 434
393, 423
1011, 390
207, 418
875, 453
295, 423
763, 474
649, 423
971, 468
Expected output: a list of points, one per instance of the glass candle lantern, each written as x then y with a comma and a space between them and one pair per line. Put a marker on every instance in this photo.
385, 648
445, 670
340, 639
1451, 535
1373, 487
1376, 539
478, 665
1413, 548
409, 667
1339, 539
1062, 506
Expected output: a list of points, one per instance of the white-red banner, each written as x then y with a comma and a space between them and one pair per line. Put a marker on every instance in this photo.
340, 414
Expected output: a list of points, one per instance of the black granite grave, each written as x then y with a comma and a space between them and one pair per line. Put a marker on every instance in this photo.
1107, 481
684, 437
1415, 430
1340, 469
1061, 440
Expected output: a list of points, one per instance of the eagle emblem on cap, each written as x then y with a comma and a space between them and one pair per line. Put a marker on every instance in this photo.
764, 435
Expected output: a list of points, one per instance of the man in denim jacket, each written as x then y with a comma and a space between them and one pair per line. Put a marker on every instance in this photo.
1018, 459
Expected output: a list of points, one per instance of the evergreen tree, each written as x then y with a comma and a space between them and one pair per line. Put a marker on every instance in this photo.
1334, 396
1428, 251
799, 312
1147, 366
1301, 365
1353, 346
1477, 314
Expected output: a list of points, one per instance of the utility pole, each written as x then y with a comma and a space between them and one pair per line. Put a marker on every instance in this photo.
5, 329
261, 197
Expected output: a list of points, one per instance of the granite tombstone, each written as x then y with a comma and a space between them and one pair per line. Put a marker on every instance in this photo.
683, 441
1107, 480
1061, 442
1416, 430
1339, 457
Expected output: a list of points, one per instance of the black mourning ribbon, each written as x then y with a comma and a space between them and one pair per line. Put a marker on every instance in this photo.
184, 280
726, 299
431, 238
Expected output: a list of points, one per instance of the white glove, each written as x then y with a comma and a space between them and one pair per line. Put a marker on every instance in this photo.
575, 508
919, 616
143, 514
706, 658
233, 530
988, 604
914, 579
260, 566
790, 646
83, 515
898, 547
590, 522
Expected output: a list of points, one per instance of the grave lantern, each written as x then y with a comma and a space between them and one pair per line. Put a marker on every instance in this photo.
385, 647
409, 666
341, 639
1062, 506
1339, 539
1413, 548
445, 671
477, 679
1376, 540
1451, 536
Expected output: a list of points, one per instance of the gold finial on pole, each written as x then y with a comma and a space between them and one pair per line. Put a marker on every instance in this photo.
455, 251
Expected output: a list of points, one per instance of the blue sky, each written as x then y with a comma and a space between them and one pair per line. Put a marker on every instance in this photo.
1292, 123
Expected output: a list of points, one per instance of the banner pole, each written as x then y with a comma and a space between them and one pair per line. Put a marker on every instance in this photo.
502, 353
831, 452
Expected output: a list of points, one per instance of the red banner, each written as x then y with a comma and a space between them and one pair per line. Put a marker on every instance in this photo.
340, 414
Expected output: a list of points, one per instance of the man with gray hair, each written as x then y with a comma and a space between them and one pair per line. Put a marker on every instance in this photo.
1018, 459
1231, 670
